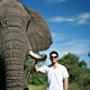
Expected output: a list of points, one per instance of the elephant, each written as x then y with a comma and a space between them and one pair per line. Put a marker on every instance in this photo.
22, 31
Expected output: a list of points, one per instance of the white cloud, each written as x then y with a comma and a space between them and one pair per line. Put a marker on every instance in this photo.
56, 1
78, 19
60, 37
76, 46
85, 16
70, 19
79, 47
57, 19
82, 21
60, 19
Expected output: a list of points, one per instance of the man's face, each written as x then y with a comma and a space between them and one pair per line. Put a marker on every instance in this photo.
53, 58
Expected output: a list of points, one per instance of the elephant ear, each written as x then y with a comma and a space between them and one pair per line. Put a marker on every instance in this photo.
38, 32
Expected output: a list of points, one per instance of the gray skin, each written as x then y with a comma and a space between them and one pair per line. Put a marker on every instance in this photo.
19, 34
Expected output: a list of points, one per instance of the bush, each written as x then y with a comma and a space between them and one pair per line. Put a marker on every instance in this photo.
36, 78
31, 76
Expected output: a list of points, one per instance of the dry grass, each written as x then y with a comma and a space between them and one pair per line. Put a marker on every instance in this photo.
72, 86
40, 87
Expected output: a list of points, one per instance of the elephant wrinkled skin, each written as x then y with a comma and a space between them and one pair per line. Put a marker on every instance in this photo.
21, 30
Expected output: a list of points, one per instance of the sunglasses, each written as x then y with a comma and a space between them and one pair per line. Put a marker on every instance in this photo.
53, 57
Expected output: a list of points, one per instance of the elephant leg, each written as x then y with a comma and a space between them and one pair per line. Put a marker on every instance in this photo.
13, 51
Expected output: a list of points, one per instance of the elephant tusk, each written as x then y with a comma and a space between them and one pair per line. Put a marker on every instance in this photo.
34, 54
37, 57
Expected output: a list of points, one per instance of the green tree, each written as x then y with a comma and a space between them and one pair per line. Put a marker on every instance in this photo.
78, 71
71, 61
82, 64
89, 53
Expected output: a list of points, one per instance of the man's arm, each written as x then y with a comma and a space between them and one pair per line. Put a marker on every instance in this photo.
41, 69
65, 83
36, 66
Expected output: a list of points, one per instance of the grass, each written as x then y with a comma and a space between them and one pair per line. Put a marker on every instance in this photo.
40, 87
72, 86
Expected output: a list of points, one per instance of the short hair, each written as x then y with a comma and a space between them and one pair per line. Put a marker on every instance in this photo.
54, 52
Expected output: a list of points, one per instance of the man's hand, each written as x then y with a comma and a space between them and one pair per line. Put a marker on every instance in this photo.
43, 57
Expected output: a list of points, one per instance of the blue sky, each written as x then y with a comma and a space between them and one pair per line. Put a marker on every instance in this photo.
69, 22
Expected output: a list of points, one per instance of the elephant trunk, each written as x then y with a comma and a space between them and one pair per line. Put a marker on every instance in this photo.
13, 49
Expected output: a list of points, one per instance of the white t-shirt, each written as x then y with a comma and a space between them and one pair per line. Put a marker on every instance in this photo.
55, 76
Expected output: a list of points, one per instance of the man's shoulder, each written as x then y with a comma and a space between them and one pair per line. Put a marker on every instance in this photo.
61, 66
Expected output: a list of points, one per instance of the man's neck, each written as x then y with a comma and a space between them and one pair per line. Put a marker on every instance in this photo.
54, 64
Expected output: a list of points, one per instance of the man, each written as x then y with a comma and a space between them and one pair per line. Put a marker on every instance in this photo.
56, 73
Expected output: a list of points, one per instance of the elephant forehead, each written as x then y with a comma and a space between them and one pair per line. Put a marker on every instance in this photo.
12, 7
20, 9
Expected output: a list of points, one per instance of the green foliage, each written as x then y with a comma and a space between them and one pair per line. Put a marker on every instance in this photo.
36, 79
74, 86
84, 77
32, 77
78, 71
28, 65
82, 64
89, 53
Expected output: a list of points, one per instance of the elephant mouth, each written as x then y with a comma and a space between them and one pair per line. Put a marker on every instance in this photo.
26, 89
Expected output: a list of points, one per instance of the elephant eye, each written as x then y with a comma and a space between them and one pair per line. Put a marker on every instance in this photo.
0, 23
27, 26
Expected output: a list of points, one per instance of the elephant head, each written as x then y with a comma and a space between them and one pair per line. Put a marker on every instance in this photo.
21, 30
